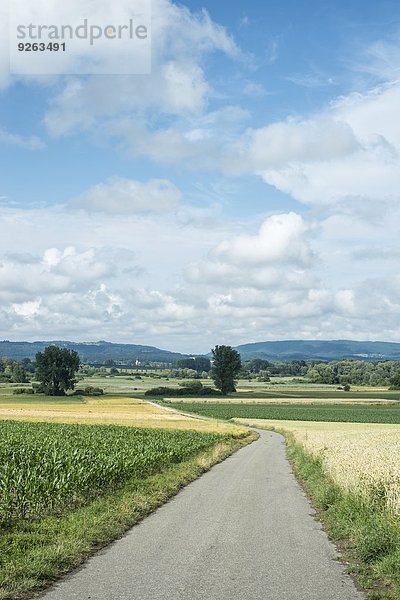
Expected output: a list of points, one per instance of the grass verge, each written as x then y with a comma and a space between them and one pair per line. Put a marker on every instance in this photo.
33, 554
367, 535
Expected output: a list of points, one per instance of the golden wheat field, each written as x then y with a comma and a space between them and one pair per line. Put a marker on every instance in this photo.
360, 457
112, 410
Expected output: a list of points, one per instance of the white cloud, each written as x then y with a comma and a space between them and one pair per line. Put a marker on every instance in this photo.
276, 283
132, 261
124, 196
299, 141
177, 85
345, 302
346, 154
27, 309
280, 240
13, 139
277, 257
256, 281
56, 271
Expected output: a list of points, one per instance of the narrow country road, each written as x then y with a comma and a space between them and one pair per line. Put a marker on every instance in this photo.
243, 531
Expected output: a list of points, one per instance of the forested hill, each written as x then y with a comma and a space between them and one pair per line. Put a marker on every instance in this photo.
100, 352
92, 352
320, 350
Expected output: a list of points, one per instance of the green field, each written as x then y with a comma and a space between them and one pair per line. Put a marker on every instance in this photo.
279, 387
354, 413
46, 467
77, 471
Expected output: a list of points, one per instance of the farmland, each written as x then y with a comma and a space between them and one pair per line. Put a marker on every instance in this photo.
345, 449
357, 413
78, 471
360, 458
47, 467
110, 409
102, 462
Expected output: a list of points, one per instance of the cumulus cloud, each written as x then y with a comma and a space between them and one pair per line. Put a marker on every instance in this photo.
280, 240
263, 278
276, 283
124, 196
294, 140
56, 271
176, 86
276, 256
348, 153
129, 260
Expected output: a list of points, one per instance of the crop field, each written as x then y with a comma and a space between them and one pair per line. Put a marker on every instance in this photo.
106, 410
361, 458
353, 413
47, 467
278, 399
286, 388
76, 472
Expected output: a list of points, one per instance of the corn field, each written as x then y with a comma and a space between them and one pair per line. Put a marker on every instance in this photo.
45, 467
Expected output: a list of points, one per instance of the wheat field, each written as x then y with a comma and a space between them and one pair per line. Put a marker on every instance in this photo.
110, 410
362, 458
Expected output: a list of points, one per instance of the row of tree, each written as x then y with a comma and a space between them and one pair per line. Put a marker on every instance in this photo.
343, 372
13, 371
356, 372
55, 370
294, 368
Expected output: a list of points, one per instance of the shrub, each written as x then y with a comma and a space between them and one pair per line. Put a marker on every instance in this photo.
94, 391
89, 391
186, 390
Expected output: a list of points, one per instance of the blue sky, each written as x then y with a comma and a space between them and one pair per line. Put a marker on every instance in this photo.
246, 190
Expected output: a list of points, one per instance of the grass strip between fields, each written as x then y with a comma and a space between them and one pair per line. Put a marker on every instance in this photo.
367, 535
33, 554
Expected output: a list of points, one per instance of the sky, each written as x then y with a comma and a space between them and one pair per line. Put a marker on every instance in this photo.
247, 189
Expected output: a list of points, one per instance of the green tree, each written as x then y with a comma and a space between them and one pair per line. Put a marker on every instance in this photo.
258, 364
395, 382
202, 363
225, 368
55, 369
185, 363
18, 374
198, 363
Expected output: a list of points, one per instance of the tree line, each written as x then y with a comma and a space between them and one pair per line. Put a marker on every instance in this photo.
356, 372
343, 372
55, 369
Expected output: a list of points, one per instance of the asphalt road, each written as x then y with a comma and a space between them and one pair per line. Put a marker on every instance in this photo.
243, 531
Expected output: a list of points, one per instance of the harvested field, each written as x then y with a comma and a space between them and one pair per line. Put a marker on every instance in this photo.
111, 410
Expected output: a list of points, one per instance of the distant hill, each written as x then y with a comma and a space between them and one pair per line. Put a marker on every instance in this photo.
99, 352
92, 351
320, 350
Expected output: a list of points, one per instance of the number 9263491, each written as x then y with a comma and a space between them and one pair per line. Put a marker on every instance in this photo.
42, 47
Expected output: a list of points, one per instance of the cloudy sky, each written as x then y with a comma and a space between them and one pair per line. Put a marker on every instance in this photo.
248, 189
